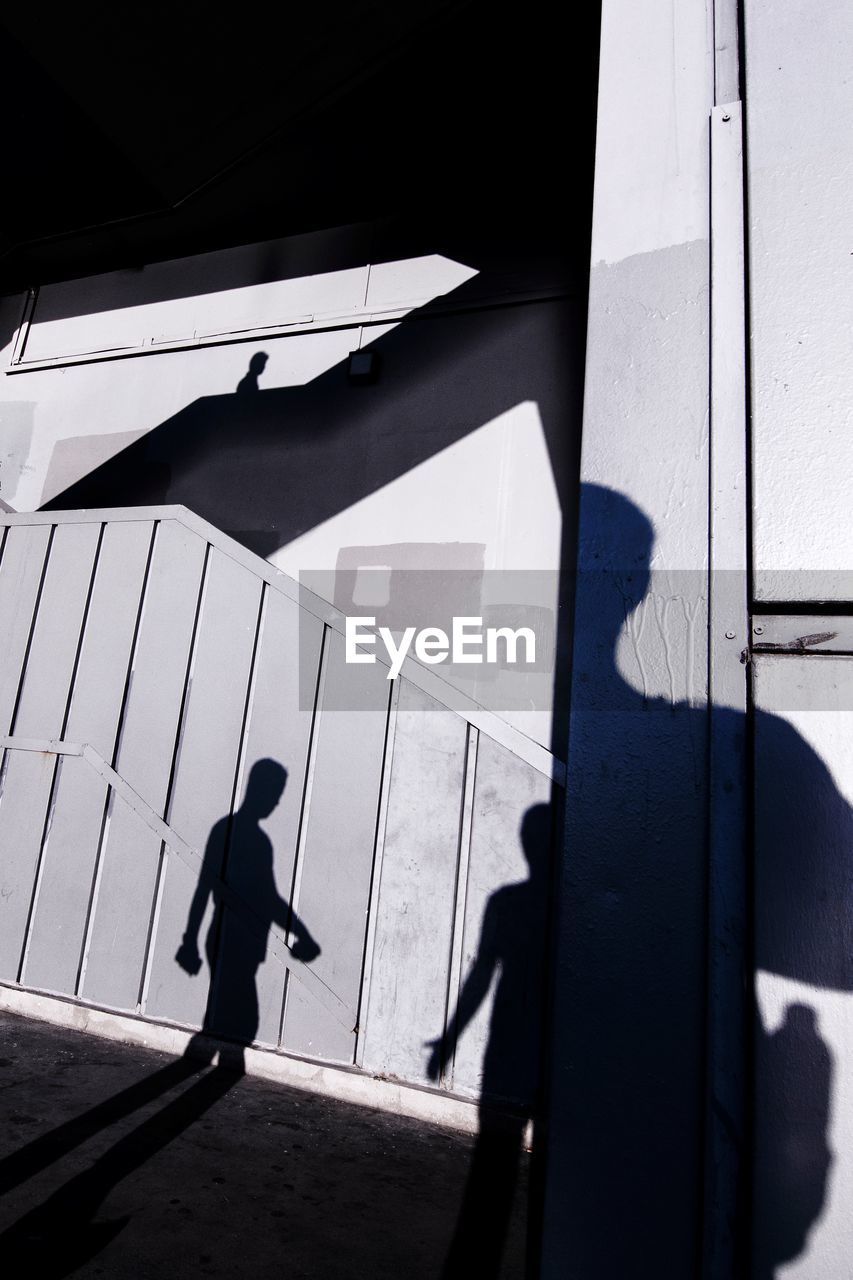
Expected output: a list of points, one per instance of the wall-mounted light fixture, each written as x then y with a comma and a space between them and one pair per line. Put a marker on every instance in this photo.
362, 367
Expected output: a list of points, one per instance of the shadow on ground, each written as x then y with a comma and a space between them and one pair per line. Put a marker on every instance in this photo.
269, 1178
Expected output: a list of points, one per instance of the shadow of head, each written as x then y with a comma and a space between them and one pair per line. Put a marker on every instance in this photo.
536, 838
616, 545
264, 789
801, 1020
249, 381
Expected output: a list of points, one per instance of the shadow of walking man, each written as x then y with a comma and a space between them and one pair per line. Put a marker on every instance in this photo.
234, 956
61, 1234
511, 947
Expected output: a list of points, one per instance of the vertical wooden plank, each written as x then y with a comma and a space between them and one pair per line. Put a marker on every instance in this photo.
277, 728
20, 578
205, 776
415, 916
41, 714
56, 636
728, 640
456, 957
376, 878
68, 861
504, 933
121, 913
334, 887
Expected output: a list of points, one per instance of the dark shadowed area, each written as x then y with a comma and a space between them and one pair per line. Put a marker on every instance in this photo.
271, 1179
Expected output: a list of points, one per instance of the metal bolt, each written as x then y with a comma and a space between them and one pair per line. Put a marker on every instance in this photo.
759, 631
726, 119
730, 635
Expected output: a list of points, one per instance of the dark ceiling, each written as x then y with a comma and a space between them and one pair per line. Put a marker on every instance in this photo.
137, 136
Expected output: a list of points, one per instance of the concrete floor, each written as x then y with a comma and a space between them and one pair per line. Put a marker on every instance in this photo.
121, 1162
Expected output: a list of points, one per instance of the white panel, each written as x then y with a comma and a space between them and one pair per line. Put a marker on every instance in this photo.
55, 947
411, 958
41, 713
127, 876
278, 728
20, 578
413, 280
495, 489
504, 929
334, 882
800, 172
26, 790
278, 302
205, 774
46, 684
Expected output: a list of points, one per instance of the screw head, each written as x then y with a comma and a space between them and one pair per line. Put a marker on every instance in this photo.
759, 631
726, 119
730, 635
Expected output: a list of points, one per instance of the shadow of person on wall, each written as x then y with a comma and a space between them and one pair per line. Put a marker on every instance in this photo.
511, 949
629, 1070
232, 1006
248, 384
59, 1235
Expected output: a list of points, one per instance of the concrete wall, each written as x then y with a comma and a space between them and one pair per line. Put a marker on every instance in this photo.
136, 388
800, 175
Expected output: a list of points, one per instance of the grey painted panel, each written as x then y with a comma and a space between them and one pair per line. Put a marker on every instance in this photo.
119, 932
20, 576
411, 959
803, 907
206, 773
56, 638
278, 728
121, 910
160, 662
41, 712
334, 886
799, 104
26, 792
105, 653
55, 945
504, 931
68, 862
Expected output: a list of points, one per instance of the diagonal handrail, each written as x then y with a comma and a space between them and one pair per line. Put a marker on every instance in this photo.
192, 859
424, 677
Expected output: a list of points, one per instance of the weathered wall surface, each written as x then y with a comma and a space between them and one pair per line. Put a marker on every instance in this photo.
627, 1070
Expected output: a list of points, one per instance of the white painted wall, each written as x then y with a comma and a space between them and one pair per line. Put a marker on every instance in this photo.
800, 172
91, 372
100, 407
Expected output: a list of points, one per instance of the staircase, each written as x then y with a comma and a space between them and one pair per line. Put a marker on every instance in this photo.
148, 661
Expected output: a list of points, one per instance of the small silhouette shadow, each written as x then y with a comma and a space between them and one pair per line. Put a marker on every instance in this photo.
248, 384
60, 1235
511, 948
